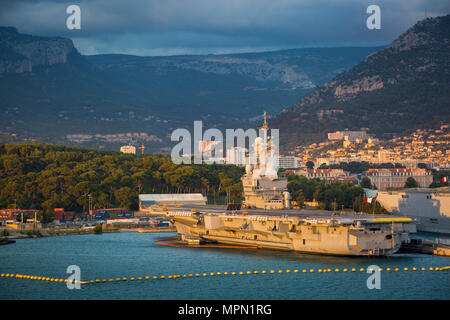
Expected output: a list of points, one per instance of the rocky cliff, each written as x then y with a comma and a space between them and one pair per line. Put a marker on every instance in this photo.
21, 52
401, 87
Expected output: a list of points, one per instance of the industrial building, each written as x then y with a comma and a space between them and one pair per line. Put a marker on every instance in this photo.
146, 201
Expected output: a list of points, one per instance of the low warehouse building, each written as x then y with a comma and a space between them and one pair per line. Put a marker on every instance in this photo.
148, 200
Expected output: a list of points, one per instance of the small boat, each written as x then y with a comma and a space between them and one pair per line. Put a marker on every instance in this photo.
6, 241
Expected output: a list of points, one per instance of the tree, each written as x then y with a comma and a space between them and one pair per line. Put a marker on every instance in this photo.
310, 165
300, 199
124, 197
411, 183
366, 183
98, 229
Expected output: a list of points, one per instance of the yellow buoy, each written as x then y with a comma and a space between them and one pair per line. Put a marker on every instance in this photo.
225, 273
241, 273
264, 271
280, 271
423, 269
155, 277
396, 269
272, 271
311, 270
163, 277
304, 270
147, 277
255, 272
362, 269
287, 271
353, 269
406, 269
139, 278
388, 269
431, 268
117, 279
295, 271
336, 270
233, 273
212, 273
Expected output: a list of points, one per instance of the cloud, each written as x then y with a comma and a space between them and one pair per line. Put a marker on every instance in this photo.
212, 26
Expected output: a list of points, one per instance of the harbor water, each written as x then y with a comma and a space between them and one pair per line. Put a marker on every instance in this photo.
114, 255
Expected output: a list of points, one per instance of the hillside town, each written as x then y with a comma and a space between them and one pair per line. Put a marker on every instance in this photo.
427, 146
414, 156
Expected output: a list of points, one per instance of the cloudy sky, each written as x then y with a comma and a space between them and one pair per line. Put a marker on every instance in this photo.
168, 27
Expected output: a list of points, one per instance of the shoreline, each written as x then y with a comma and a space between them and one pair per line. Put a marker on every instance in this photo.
14, 234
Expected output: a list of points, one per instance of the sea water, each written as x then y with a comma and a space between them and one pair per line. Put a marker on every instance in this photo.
113, 255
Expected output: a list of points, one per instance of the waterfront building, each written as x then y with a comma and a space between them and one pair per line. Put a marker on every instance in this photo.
431, 207
61, 215
13, 214
146, 201
394, 178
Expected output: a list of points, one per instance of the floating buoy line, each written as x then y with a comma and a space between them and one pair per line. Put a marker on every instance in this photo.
215, 274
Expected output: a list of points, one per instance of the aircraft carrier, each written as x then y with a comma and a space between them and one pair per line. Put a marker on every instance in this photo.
268, 222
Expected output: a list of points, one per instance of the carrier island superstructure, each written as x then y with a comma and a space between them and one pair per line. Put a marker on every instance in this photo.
270, 223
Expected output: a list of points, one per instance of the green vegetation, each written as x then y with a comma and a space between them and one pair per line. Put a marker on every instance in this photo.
411, 183
437, 178
337, 195
366, 183
40, 176
98, 229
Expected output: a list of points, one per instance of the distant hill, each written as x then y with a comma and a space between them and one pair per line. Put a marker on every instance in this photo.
395, 90
49, 92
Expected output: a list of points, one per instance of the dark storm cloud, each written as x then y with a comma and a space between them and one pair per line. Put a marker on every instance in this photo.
211, 26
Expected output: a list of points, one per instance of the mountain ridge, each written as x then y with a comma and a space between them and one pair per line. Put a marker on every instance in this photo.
49, 92
392, 91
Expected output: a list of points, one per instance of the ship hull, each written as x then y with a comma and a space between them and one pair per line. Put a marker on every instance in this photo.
289, 234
